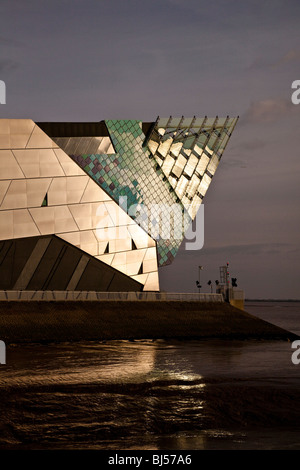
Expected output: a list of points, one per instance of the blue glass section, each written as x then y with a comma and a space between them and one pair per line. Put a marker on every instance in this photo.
131, 172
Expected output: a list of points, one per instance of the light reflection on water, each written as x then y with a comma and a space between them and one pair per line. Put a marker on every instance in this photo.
140, 361
150, 395
147, 361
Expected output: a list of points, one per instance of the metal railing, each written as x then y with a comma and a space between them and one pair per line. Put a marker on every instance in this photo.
8, 295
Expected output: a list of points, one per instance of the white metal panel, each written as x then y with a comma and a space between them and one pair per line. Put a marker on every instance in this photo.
23, 225
93, 192
6, 225
9, 168
69, 167
39, 139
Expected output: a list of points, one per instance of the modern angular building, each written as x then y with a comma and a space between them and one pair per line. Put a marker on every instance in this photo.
101, 206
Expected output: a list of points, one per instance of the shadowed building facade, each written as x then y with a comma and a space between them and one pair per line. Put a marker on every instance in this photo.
85, 206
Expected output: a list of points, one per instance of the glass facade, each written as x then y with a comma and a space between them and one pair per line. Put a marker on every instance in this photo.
121, 191
165, 174
131, 177
188, 152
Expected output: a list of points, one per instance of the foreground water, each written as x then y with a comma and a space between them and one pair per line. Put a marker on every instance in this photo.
155, 395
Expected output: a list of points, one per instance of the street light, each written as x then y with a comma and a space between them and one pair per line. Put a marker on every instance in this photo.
199, 285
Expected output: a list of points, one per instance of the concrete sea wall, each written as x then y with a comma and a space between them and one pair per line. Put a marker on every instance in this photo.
40, 321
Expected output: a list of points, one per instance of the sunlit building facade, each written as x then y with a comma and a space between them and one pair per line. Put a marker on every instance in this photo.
85, 206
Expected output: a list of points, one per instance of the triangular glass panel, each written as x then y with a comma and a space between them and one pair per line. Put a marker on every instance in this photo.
45, 201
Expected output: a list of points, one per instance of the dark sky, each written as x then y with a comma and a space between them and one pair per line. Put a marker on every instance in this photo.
88, 60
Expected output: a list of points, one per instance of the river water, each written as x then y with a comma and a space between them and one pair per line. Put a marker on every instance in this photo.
155, 395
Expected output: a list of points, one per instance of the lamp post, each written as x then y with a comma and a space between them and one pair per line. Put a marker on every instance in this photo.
200, 269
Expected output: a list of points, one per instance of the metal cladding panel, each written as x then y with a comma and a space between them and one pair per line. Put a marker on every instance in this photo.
133, 180
121, 191
49, 263
188, 150
172, 166
44, 192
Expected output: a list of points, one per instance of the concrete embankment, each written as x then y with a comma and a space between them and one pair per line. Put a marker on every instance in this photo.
107, 320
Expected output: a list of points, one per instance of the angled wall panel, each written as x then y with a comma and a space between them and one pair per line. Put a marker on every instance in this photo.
117, 192
49, 263
43, 192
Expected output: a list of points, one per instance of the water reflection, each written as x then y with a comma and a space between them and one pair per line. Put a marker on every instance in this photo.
144, 361
145, 394
78, 364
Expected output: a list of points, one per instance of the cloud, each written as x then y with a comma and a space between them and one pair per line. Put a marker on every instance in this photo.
4, 41
269, 110
230, 163
247, 146
9, 42
7, 64
248, 249
291, 57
